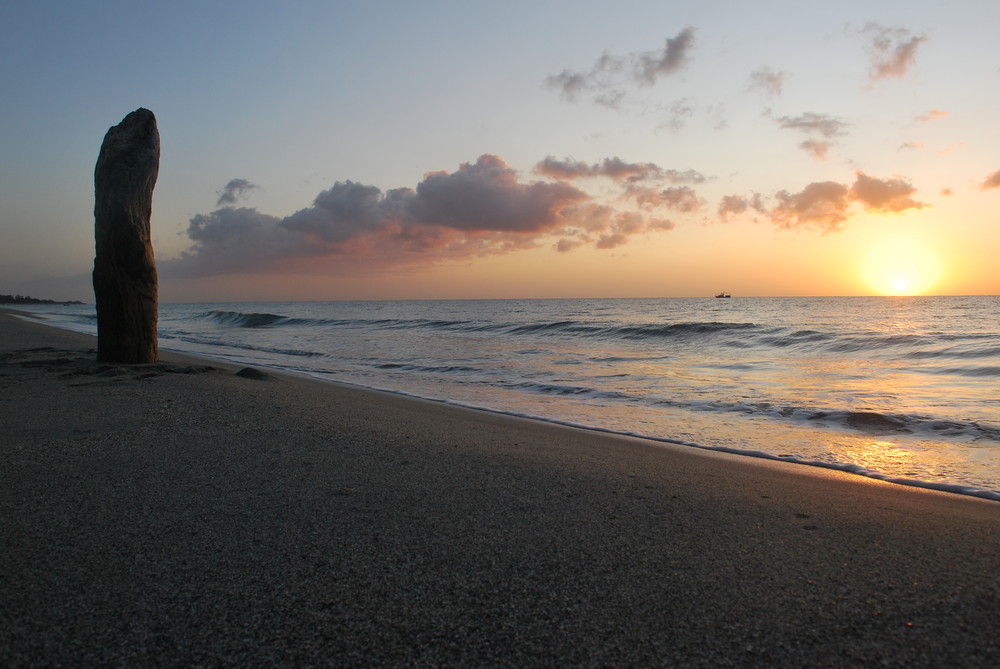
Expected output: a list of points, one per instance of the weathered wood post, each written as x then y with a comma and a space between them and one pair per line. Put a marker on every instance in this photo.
124, 270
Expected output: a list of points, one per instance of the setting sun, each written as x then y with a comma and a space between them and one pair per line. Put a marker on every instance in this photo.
901, 267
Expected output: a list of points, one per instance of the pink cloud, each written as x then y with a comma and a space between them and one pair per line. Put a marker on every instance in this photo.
932, 115
767, 80
893, 51
992, 181
951, 148
566, 245
821, 204
826, 205
883, 195
817, 148
735, 205
611, 240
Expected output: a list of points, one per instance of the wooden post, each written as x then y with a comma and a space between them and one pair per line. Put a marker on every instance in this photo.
124, 270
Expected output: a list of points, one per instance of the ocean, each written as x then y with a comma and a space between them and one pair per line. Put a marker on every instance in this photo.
904, 389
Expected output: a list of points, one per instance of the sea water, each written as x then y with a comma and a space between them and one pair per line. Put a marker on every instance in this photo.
903, 389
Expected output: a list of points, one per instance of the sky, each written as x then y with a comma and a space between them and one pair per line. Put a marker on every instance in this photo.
322, 150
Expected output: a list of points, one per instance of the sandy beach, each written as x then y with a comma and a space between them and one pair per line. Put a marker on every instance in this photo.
196, 513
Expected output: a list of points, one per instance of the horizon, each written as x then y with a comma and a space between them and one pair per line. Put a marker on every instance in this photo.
447, 151
542, 298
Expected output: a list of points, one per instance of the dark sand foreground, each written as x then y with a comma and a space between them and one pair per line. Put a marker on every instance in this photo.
177, 515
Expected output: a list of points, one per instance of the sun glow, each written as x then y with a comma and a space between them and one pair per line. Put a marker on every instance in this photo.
900, 267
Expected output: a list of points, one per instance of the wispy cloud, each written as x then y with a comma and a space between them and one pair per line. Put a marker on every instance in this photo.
614, 168
951, 148
811, 122
825, 205
916, 146
821, 129
235, 190
767, 80
893, 51
610, 74
932, 115
676, 115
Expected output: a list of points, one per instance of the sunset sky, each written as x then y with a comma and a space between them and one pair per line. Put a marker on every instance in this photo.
382, 150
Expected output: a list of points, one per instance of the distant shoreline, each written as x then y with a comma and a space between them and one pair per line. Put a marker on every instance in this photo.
24, 299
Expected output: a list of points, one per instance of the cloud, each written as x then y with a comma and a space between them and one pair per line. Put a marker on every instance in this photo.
677, 115
676, 198
893, 51
821, 204
826, 204
884, 195
236, 238
932, 115
952, 147
611, 99
487, 196
992, 181
652, 65
235, 190
480, 209
610, 74
566, 245
817, 148
813, 123
716, 114
767, 80
661, 224
735, 205
917, 146
570, 84
613, 168
821, 128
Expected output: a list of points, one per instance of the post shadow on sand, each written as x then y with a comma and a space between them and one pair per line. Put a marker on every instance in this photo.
125, 284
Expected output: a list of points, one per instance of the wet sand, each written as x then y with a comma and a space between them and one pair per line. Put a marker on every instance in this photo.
194, 513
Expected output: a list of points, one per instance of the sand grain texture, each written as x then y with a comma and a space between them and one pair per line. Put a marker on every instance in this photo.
180, 514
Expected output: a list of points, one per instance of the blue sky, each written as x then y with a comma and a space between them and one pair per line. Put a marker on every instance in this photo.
294, 98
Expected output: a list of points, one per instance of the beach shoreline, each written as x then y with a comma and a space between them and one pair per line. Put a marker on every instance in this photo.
191, 512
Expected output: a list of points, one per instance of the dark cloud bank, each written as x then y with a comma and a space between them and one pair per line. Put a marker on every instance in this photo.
484, 209
480, 209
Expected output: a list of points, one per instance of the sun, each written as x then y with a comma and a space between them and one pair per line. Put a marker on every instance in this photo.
900, 266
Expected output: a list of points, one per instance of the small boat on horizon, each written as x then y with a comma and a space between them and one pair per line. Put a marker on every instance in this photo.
723, 294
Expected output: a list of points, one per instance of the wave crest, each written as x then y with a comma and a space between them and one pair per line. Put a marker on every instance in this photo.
244, 320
